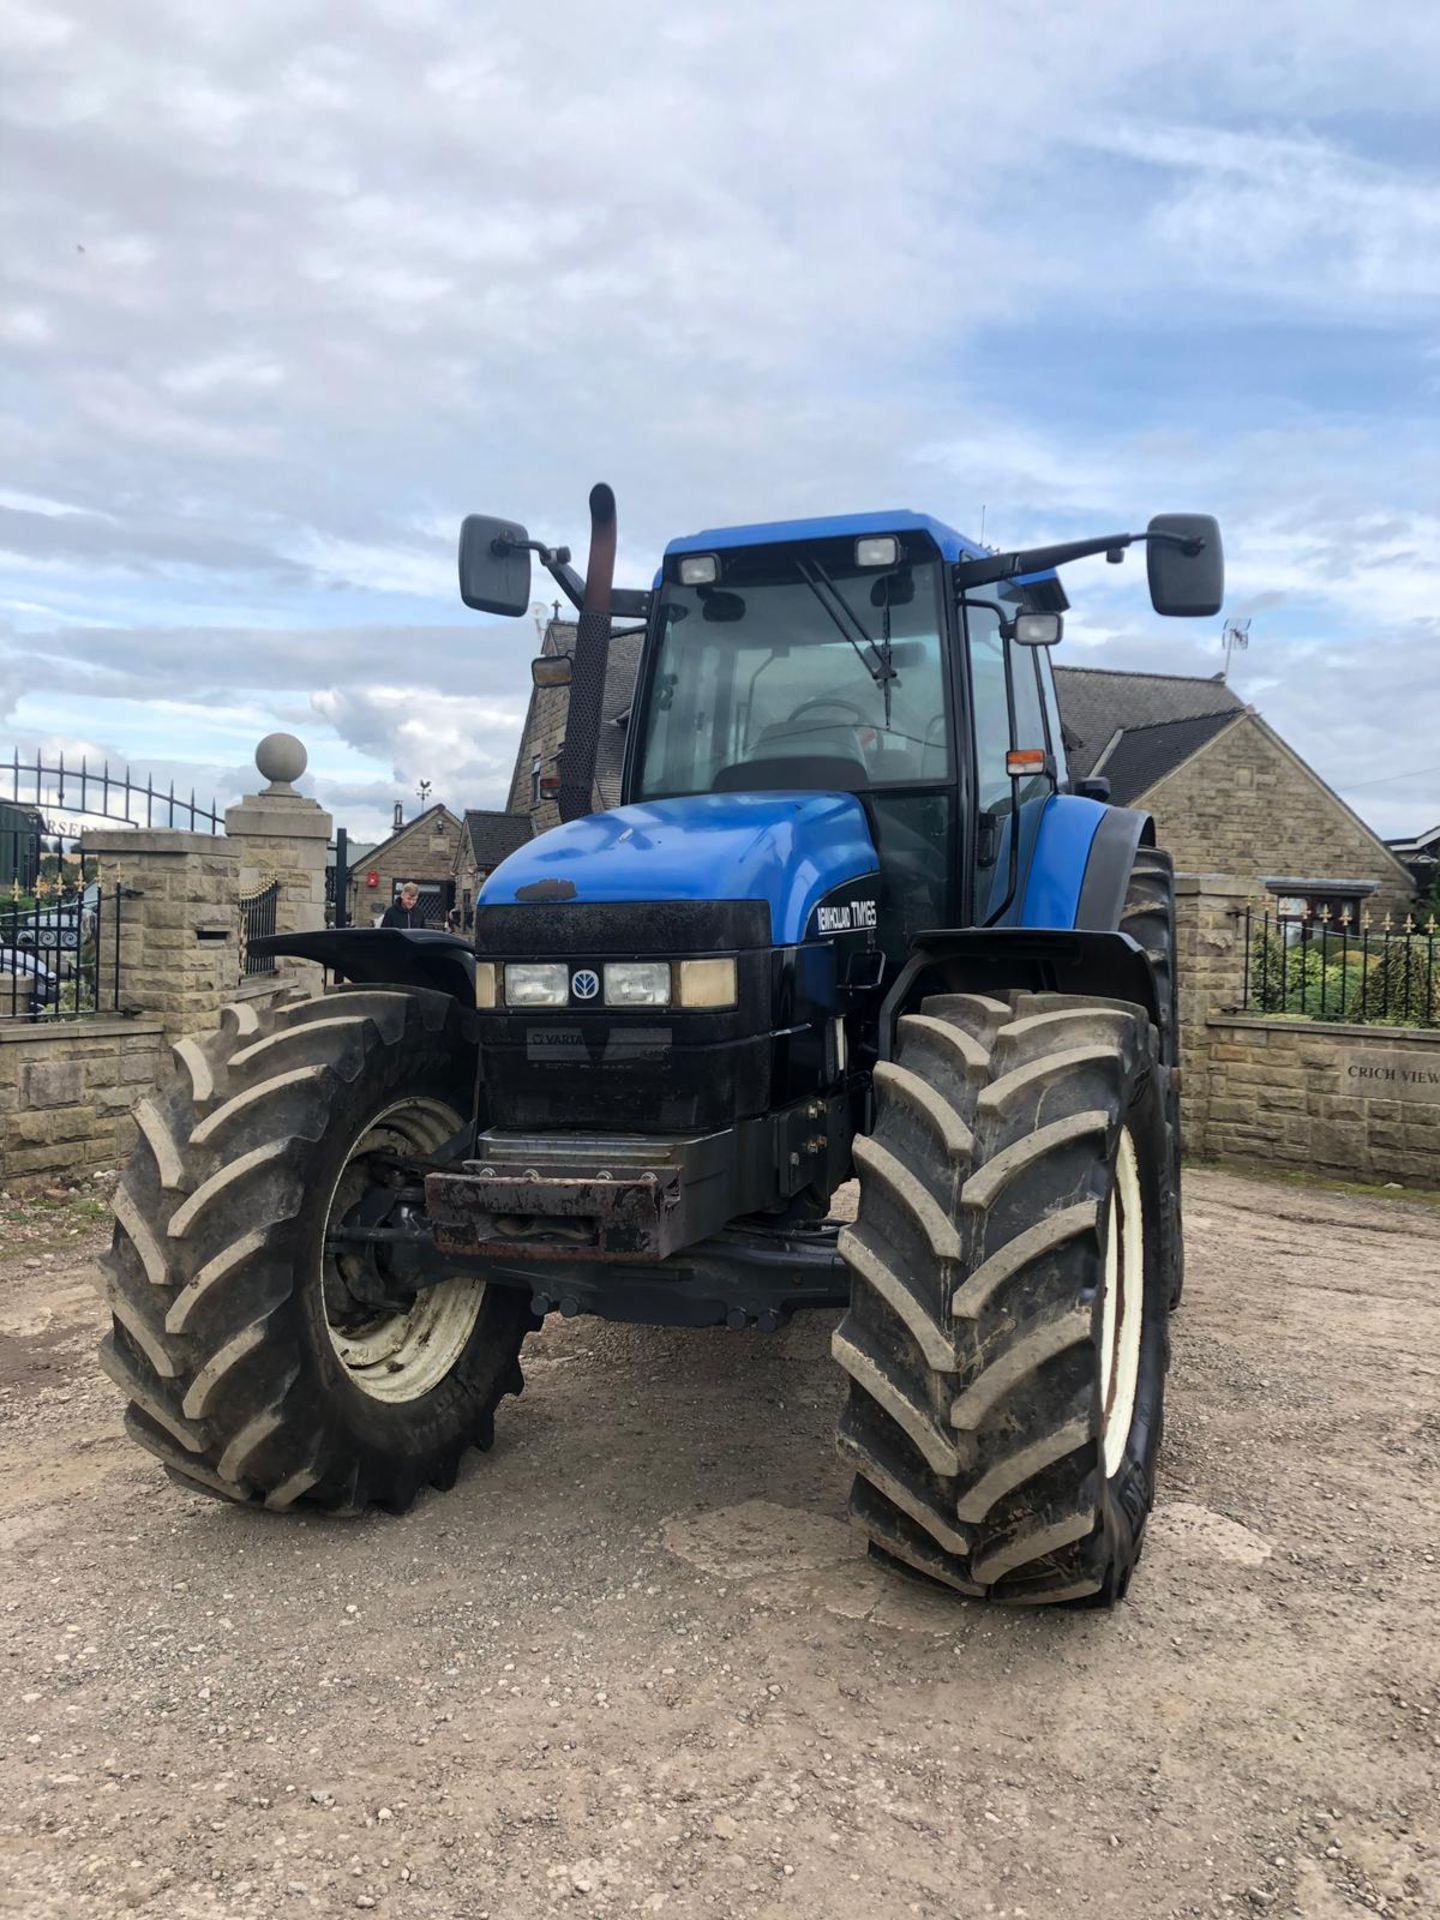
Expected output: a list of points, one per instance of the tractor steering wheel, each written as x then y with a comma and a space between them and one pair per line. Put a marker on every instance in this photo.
860, 717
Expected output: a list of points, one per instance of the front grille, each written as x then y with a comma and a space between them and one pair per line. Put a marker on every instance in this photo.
587, 931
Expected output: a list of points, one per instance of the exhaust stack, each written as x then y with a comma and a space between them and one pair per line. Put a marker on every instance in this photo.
587, 676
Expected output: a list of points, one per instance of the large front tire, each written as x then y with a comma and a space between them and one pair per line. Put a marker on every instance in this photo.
251, 1368
1006, 1340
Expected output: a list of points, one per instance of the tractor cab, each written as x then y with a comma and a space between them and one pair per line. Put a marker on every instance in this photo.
835, 655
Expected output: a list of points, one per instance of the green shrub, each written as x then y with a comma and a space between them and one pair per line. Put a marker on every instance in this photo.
1401, 987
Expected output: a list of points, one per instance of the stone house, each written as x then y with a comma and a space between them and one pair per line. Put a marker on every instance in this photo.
544, 733
1420, 855
485, 839
1228, 795
423, 850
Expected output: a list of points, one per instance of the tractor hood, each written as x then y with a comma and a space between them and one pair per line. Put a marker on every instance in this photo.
787, 849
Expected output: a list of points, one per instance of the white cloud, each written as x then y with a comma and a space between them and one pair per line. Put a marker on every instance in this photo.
1289, 219
465, 746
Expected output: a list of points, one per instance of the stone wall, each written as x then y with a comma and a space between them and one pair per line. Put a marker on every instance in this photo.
66, 1092
1358, 1103
1246, 805
1352, 1102
67, 1085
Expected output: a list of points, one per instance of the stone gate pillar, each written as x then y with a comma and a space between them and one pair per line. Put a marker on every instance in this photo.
179, 934
1210, 973
283, 836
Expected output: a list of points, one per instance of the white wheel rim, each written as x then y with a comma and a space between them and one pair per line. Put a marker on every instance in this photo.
1122, 1309
397, 1357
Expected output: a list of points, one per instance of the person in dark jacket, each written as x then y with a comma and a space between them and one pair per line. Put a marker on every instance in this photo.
406, 910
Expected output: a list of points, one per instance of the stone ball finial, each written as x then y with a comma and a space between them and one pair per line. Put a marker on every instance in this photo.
281, 759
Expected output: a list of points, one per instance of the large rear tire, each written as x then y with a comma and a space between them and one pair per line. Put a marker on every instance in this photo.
1148, 916
251, 1368
1006, 1339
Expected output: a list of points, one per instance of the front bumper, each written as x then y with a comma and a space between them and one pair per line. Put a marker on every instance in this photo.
625, 1196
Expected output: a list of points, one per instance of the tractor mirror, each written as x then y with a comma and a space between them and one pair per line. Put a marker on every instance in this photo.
1036, 629
721, 607
551, 670
893, 590
494, 565
1187, 566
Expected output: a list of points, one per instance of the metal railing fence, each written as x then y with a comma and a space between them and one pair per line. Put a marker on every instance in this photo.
1348, 965
258, 915
60, 952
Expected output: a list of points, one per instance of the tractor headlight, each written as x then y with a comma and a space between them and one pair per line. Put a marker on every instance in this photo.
484, 983
637, 983
708, 983
537, 983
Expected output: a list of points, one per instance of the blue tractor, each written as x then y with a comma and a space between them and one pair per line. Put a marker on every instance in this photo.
853, 921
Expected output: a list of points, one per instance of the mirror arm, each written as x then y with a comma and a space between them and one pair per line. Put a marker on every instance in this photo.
1008, 566
633, 604
556, 563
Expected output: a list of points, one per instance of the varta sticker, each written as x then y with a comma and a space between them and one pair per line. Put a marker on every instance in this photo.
855, 916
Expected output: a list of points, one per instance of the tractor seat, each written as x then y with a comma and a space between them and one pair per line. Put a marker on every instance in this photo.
793, 772
815, 758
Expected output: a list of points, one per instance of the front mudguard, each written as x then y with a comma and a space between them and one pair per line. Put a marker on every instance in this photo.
384, 957
1106, 965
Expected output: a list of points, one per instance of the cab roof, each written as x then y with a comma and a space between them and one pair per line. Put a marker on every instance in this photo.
835, 526
952, 546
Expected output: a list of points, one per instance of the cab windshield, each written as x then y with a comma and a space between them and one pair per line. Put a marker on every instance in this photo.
798, 668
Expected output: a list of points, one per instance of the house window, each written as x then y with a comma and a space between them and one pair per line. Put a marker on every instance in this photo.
1306, 910
535, 781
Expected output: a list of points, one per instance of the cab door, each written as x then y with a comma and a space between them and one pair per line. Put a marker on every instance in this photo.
1004, 680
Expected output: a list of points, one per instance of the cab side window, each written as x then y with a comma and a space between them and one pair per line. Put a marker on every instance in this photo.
1052, 713
992, 714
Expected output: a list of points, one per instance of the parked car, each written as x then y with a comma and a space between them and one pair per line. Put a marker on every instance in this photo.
44, 987
60, 928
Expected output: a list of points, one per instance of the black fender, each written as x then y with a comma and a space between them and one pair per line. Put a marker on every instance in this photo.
1122, 830
1101, 962
383, 956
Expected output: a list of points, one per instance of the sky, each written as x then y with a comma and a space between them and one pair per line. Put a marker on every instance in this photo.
287, 289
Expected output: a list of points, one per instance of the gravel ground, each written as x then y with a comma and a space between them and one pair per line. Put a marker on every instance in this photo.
636, 1663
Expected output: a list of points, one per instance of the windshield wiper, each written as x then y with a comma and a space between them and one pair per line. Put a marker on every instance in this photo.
875, 663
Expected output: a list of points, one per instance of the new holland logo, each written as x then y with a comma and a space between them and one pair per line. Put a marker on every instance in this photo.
584, 984
855, 916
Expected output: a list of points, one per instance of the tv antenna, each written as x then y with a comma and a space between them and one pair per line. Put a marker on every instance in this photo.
1237, 640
